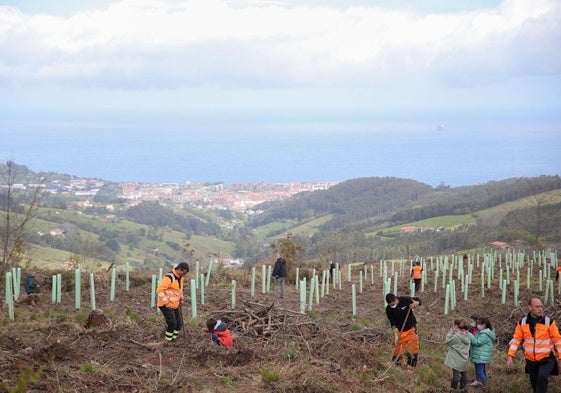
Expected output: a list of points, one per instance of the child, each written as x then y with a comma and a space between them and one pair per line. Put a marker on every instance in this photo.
473, 324
482, 350
219, 333
457, 356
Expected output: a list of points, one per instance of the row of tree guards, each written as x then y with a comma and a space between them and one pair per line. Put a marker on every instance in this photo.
441, 273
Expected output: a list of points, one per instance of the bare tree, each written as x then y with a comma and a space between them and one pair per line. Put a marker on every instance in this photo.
540, 212
19, 202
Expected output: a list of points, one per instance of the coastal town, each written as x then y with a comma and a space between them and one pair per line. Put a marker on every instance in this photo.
235, 197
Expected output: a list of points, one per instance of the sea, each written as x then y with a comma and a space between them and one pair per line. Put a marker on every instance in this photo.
438, 156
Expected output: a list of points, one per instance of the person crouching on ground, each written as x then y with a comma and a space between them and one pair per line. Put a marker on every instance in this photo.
404, 326
219, 333
457, 357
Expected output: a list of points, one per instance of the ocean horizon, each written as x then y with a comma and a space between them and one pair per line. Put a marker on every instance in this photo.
434, 157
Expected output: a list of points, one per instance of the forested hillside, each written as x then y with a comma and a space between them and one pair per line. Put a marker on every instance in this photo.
362, 210
358, 219
350, 202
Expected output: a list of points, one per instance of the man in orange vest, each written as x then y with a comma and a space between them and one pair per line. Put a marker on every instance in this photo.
558, 273
170, 299
404, 326
417, 273
539, 335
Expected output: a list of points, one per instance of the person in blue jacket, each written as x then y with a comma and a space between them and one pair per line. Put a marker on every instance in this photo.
482, 346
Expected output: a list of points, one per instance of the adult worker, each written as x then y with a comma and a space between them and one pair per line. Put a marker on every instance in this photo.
539, 335
558, 273
404, 325
417, 274
279, 274
170, 299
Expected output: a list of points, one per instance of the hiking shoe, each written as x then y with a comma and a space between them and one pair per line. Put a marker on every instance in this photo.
476, 383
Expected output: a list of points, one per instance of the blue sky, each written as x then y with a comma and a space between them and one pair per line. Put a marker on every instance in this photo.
362, 66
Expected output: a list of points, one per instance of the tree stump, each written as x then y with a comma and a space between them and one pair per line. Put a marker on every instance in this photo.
98, 319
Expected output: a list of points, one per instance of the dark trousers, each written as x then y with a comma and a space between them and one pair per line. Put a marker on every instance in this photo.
173, 319
459, 378
417, 284
539, 373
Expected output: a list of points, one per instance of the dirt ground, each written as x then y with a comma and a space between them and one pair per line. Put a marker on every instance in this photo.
277, 348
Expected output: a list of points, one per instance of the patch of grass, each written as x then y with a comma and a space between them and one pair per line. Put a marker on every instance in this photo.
269, 376
355, 327
290, 355
92, 368
27, 377
81, 318
132, 314
227, 381
61, 318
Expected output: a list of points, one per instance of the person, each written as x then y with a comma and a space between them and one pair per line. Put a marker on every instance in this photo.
170, 299
482, 345
473, 324
30, 285
417, 274
331, 269
279, 273
404, 325
457, 357
558, 273
539, 335
219, 333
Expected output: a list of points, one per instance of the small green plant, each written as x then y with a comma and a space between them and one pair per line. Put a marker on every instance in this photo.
88, 368
27, 377
269, 376
132, 314
61, 318
291, 355
81, 318
47, 313
227, 381
92, 368
355, 327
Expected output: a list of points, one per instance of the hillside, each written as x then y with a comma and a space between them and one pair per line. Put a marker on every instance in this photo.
524, 211
47, 347
355, 220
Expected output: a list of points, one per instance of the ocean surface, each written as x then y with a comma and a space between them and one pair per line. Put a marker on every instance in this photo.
433, 157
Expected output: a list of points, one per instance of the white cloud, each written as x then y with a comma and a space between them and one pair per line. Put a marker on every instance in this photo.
155, 43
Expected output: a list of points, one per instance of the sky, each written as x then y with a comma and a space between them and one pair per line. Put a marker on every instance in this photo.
268, 68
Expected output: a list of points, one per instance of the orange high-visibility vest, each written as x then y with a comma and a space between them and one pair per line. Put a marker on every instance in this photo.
170, 291
416, 272
539, 346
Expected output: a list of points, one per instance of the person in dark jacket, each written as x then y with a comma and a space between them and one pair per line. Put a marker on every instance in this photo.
331, 269
30, 285
404, 325
219, 333
279, 274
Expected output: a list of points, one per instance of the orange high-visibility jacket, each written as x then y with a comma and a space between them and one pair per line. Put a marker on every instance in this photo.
170, 290
416, 272
539, 346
